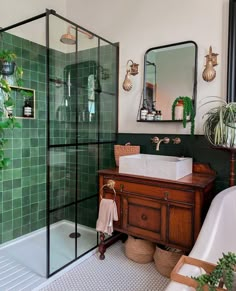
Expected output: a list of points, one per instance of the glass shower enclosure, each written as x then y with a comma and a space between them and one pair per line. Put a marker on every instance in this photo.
74, 74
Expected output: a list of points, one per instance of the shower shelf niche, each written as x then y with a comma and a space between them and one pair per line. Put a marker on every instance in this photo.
20, 95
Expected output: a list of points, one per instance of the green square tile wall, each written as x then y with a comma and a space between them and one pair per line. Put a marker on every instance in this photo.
23, 184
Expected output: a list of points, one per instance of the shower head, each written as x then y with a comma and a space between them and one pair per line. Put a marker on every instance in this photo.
68, 38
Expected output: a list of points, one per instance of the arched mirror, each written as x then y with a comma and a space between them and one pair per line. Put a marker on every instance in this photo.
170, 71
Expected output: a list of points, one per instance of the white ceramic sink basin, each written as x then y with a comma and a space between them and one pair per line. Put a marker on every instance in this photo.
164, 167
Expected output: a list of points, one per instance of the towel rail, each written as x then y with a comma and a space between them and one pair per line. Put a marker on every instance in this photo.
111, 185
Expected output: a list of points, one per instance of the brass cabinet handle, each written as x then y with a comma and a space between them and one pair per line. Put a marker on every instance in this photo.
166, 194
144, 217
121, 187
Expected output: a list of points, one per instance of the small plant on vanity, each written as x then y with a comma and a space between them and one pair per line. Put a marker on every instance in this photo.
182, 109
223, 274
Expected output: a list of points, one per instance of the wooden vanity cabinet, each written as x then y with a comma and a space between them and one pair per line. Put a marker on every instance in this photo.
163, 211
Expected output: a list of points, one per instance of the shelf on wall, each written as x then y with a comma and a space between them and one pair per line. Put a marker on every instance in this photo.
20, 95
163, 120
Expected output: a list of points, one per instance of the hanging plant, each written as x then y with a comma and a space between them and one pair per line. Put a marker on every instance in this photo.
7, 120
188, 111
8, 66
7, 62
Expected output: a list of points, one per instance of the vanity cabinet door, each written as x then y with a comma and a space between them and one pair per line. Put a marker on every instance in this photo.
144, 218
180, 224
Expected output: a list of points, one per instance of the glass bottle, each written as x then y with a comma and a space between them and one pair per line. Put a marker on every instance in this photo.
159, 114
143, 113
27, 109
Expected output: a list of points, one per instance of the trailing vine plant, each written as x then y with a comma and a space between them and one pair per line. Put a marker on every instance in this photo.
7, 119
188, 111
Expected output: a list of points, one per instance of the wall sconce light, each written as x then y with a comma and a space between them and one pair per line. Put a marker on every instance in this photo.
130, 70
209, 72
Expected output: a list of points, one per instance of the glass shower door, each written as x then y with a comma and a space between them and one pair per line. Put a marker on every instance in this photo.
82, 102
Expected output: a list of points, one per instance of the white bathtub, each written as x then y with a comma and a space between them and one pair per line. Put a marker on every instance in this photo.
217, 235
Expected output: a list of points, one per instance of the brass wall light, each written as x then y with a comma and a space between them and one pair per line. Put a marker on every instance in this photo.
209, 72
131, 70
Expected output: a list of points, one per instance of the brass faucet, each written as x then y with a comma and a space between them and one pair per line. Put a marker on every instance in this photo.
158, 141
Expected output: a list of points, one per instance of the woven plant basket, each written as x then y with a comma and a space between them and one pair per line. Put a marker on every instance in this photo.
139, 250
165, 260
125, 150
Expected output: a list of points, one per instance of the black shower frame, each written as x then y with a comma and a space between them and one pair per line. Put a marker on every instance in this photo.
231, 68
48, 211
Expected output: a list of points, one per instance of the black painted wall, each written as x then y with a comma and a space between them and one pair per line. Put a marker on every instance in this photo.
196, 147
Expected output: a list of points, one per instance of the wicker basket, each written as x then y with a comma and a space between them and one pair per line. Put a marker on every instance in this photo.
139, 250
125, 150
165, 260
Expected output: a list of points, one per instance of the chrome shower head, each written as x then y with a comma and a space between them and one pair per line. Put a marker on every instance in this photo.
68, 38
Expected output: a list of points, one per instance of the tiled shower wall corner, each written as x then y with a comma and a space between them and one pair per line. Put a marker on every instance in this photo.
23, 183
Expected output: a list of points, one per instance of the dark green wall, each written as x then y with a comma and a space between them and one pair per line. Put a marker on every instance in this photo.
196, 147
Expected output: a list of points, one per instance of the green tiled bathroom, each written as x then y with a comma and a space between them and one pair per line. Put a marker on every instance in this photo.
55, 153
75, 57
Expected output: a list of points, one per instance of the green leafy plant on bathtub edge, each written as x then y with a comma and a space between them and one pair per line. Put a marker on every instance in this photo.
223, 272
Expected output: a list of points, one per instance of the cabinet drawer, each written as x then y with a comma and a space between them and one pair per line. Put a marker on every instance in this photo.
145, 218
152, 191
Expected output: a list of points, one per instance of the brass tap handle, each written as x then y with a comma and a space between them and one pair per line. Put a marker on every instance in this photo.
155, 139
176, 140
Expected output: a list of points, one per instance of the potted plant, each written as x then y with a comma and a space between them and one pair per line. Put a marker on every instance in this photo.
223, 274
7, 62
220, 124
8, 66
182, 109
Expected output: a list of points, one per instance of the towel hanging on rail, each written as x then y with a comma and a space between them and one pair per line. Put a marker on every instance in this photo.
107, 213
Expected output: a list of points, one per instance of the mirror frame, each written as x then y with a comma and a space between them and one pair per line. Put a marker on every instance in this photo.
194, 97
231, 67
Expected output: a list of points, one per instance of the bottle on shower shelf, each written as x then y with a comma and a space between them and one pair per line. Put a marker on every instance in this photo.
27, 109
